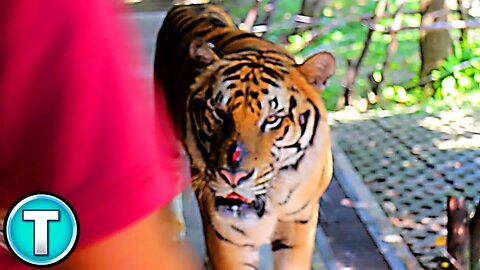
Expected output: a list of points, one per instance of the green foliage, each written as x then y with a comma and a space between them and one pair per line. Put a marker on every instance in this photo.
455, 83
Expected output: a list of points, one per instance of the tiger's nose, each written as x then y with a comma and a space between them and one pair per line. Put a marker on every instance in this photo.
235, 178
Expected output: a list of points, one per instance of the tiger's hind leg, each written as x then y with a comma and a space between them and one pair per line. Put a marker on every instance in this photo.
293, 243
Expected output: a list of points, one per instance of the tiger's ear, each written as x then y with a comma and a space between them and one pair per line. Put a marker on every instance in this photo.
318, 68
201, 52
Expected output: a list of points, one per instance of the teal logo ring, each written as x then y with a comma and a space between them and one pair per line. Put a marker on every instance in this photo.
41, 229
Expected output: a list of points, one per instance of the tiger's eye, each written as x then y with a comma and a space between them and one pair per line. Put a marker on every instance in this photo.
272, 118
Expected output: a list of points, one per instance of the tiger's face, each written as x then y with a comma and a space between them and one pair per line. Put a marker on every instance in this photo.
253, 115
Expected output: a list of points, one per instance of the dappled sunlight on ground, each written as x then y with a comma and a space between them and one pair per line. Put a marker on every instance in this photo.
411, 163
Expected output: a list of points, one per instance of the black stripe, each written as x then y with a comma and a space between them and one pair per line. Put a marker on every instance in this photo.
293, 145
279, 245
285, 131
204, 137
198, 8
267, 80
299, 210
232, 69
175, 12
245, 178
303, 221
217, 22
208, 93
231, 78
280, 53
295, 166
249, 50
263, 175
189, 26
272, 73
236, 106
208, 221
274, 62
289, 195
208, 125
202, 33
217, 37
315, 124
221, 237
254, 65
193, 116
238, 93
250, 266
292, 104
236, 37
242, 57
254, 78
303, 127
240, 231
273, 103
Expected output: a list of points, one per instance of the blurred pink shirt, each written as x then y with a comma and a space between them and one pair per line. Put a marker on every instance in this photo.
75, 121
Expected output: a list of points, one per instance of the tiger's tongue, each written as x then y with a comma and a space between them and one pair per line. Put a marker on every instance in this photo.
236, 196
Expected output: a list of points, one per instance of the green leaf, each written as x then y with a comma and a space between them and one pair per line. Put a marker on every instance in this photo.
388, 92
402, 94
448, 82
377, 76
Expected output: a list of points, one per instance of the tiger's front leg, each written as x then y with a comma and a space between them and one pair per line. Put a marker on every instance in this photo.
225, 254
293, 243
228, 247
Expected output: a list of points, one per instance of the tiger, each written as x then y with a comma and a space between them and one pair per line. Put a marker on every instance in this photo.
255, 129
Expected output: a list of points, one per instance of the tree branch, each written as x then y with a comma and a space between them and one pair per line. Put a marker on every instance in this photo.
352, 69
455, 24
393, 45
250, 17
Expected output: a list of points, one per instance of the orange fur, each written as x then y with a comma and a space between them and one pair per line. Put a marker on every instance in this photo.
226, 89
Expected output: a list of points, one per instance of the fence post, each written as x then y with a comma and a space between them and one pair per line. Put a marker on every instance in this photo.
458, 238
475, 239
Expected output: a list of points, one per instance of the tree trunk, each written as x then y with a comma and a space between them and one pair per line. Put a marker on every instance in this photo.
434, 45
313, 8
310, 8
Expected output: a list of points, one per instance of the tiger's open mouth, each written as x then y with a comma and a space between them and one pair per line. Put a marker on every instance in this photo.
237, 206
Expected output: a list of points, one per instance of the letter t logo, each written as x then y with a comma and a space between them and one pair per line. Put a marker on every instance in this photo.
40, 220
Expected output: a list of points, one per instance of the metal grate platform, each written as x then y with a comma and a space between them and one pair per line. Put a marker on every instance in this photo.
411, 163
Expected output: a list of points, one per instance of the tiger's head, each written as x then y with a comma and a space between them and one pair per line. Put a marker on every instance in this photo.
252, 115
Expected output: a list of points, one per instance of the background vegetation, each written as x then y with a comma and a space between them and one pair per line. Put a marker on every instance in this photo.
339, 28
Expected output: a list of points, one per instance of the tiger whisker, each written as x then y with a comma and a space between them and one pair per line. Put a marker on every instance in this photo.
265, 177
260, 187
263, 181
261, 192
